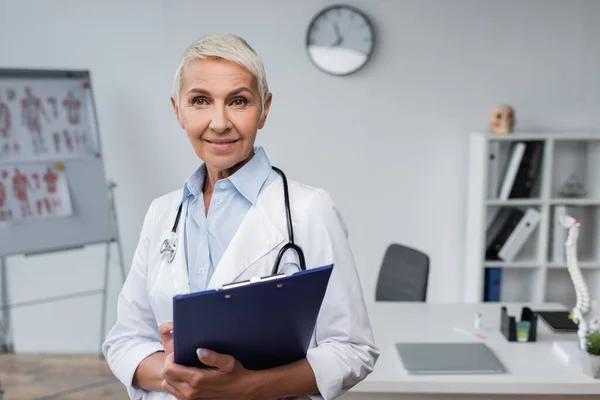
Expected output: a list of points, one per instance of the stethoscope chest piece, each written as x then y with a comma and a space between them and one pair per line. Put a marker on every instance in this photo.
169, 245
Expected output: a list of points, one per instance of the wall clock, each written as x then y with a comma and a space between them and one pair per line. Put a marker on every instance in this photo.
340, 40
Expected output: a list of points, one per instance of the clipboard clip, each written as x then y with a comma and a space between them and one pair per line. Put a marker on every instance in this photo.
252, 280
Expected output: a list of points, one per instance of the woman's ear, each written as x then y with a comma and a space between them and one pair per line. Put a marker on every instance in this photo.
265, 112
177, 114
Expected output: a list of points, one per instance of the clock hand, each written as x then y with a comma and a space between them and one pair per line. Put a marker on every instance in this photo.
339, 38
337, 30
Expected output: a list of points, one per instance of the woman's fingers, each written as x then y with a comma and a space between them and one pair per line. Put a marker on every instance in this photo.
166, 329
166, 336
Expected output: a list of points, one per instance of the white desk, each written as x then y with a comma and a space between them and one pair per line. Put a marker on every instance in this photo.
533, 369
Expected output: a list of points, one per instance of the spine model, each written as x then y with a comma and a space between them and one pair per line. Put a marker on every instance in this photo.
581, 311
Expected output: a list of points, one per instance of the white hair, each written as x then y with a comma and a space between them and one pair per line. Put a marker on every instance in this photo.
225, 46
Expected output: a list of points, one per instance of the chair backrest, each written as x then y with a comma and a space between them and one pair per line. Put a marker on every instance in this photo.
403, 275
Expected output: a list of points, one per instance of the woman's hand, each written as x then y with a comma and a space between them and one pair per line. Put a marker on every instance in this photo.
148, 374
229, 379
166, 336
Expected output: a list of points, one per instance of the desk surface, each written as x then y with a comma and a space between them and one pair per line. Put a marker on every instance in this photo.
532, 368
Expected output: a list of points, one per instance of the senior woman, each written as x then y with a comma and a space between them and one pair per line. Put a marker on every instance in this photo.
233, 226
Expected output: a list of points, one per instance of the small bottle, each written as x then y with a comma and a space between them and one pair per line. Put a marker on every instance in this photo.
477, 321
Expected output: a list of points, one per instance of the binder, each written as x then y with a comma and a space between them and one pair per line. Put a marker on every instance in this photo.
518, 150
502, 227
519, 235
493, 284
529, 170
262, 324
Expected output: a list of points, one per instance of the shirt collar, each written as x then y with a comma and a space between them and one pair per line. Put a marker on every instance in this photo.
248, 180
193, 185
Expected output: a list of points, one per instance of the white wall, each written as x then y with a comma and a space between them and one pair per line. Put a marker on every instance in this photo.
388, 143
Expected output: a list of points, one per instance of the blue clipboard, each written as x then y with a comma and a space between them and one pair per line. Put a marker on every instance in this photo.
262, 324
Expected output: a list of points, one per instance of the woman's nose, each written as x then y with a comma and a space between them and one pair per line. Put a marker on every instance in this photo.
220, 121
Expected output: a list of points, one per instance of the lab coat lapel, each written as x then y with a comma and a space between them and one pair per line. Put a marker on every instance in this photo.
179, 264
256, 236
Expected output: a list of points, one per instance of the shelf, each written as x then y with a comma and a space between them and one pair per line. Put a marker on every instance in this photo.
511, 264
558, 136
514, 202
575, 202
582, 265
536, 264
567, 183
538, 202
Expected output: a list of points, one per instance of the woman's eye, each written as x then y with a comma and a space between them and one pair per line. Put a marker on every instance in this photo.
198, 101
240, 101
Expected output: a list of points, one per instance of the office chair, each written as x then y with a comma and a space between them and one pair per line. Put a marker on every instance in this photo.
403, 275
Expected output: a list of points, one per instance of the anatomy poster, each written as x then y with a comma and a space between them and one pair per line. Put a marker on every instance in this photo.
6, 198
44, 120
34, 191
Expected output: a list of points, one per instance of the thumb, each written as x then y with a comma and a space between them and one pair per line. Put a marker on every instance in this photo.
222, 362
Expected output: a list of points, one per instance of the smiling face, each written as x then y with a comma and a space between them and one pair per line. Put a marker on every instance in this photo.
220, 110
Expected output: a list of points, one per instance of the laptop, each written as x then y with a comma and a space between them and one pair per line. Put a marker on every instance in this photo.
449, 358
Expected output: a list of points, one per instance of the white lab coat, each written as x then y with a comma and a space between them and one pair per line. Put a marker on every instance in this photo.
342, 351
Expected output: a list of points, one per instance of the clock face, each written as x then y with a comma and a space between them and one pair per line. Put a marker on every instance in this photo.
340, 40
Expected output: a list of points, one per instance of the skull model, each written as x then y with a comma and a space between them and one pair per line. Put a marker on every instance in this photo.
502, 119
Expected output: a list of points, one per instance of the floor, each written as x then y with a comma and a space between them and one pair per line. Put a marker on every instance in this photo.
68, 377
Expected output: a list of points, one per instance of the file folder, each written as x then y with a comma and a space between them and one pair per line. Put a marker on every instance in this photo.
262, 324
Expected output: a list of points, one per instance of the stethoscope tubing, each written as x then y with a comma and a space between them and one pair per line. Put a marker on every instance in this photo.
170, 245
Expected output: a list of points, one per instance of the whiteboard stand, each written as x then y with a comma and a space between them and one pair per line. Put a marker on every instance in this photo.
5, 337
117, 240
5, 340
6, 343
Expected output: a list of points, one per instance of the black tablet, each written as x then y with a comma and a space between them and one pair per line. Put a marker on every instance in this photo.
558, 321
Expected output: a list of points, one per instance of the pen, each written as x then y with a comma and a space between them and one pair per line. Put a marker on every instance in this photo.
468, 333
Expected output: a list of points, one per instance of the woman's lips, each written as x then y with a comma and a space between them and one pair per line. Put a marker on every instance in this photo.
222, 146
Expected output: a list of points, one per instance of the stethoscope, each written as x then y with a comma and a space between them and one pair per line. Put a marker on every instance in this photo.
170, 245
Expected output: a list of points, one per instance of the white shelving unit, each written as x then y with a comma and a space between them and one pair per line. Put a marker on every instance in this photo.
536, 274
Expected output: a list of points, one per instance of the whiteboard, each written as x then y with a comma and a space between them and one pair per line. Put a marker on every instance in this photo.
53, 189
